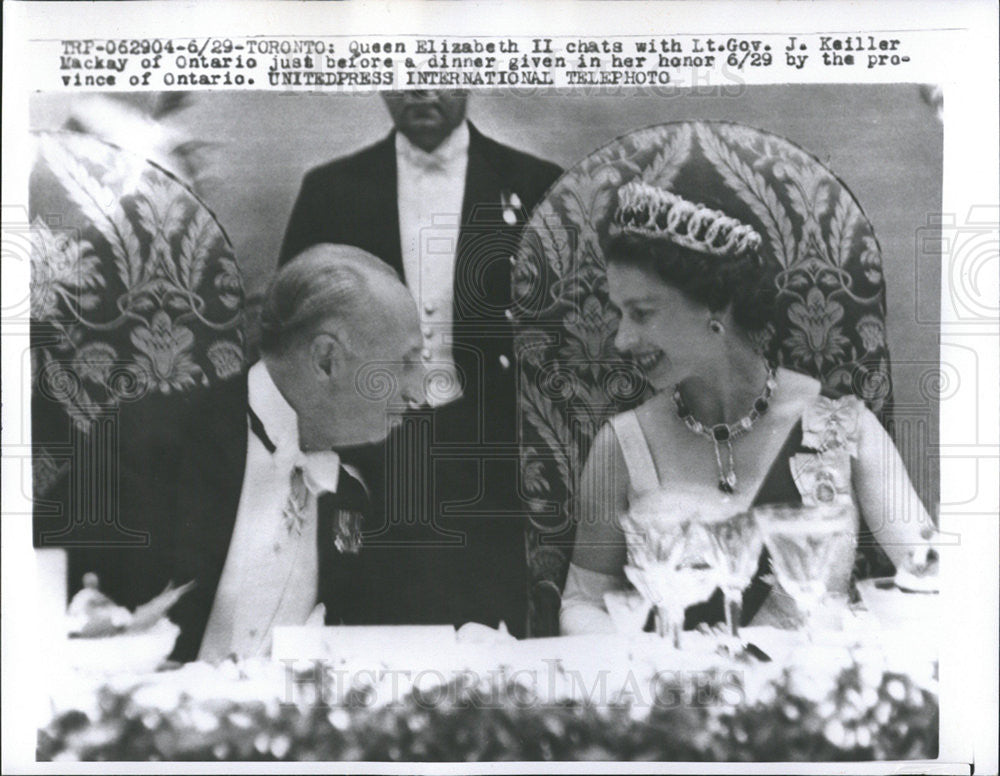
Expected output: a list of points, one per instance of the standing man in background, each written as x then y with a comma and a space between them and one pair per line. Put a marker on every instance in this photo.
444, 206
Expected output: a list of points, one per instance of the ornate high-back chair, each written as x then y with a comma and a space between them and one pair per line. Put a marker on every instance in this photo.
829, 319
135, 296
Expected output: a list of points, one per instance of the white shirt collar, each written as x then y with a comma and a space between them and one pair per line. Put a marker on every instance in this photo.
281, 424
452, 149
279, 419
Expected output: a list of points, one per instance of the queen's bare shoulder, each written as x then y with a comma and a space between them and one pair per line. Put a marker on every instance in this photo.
794, 392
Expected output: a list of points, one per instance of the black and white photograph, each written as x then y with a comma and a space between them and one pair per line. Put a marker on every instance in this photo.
530, 399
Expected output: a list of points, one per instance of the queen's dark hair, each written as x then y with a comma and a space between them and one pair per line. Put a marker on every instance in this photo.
743, 283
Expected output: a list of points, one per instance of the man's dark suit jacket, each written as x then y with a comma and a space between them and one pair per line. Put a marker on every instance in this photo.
181, 474
447, 544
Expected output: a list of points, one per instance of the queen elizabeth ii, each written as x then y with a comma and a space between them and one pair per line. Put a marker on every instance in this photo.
725, 430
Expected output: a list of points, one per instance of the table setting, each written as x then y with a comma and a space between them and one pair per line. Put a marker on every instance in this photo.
856, 679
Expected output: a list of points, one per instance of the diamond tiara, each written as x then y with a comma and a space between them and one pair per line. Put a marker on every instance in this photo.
653, 212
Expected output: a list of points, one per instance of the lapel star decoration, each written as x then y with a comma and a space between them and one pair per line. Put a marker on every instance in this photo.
349, 515
347, 532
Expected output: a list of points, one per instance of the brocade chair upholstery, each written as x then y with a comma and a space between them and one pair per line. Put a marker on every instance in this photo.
829, 319
135, 296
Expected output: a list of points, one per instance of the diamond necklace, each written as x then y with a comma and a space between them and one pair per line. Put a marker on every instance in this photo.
726, 432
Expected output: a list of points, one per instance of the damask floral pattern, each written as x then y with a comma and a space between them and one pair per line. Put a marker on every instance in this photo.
64, 270
871, 329
817, 338
134, 287
164, 354
227, 358
587, 346
830, 309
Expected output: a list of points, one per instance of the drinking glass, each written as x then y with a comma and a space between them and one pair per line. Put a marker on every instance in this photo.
669, 564
810, 546
737, 544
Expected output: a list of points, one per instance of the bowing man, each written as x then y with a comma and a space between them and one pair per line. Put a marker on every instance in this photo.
444, 205
244, 491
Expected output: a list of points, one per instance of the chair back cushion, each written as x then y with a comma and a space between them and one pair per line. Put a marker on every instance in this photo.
135, 295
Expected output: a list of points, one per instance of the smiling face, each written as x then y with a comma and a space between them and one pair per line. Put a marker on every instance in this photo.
665, 332
426, 117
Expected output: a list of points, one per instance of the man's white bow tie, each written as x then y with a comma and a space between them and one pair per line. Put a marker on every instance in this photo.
427, 162
315, 473
320, 471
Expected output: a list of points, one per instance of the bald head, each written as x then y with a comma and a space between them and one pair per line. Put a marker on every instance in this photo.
336, 322
323, 282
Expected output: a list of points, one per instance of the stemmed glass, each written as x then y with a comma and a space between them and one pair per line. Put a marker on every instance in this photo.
810, 547
737, 544
669, 564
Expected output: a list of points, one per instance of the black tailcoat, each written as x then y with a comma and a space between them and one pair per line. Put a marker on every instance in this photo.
447, 540
181, 470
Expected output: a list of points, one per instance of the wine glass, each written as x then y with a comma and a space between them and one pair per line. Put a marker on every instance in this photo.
649, 567
737, 544
669, 564
811, 549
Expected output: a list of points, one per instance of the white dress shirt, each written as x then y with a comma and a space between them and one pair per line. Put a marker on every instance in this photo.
271, 572
430, 188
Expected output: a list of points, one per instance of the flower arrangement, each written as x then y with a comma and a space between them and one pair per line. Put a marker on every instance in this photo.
859, 716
